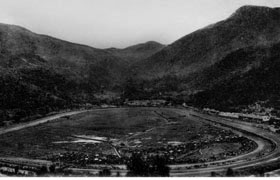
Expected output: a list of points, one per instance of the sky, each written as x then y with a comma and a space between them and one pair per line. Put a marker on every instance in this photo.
119, 23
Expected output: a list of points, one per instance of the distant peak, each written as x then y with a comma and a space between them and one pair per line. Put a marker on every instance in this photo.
13, 27
254, 11
146, 45
111, 49
252, 7
153, 42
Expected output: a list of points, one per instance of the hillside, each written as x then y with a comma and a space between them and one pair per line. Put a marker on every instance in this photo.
248, 26
133, 54
17, 42
230, 64
226, 65
258, 80
40, 74
28, 92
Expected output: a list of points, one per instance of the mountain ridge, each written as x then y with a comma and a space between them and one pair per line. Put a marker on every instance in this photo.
137, 52
214, 42
211, 60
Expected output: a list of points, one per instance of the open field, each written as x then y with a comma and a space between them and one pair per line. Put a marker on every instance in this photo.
148, 131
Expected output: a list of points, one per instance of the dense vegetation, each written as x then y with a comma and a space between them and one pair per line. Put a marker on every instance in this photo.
157, 166
227, 65
29, 92
259, 83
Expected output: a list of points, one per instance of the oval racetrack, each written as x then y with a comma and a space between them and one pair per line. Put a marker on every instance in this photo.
268, 143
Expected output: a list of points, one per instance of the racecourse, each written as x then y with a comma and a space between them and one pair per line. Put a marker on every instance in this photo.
268, 142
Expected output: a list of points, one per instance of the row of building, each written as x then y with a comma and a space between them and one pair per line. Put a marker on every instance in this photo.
249, 117
23, 167
154, 103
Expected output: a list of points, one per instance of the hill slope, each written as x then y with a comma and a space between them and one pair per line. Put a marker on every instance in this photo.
248, 26
217, 66
257, 79
17, 43
40, 74
137, 52
16, 40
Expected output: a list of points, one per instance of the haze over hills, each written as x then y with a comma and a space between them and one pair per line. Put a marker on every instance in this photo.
207, 68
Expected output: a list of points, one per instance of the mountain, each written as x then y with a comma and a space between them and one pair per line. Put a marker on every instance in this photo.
248, 26
228, 65
137, 52
29, 91
17, 43
40, 74
16, 40
242, 78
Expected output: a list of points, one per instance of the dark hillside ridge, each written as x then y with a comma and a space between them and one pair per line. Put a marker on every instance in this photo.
137, 52
258, 82
217, 66
248, 26
227, 65
17, 43
16, 40
40, 74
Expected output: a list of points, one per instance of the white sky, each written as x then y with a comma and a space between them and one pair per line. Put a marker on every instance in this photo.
119, 23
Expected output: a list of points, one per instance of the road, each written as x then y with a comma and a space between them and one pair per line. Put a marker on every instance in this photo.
243, 162
263, 138
39, 121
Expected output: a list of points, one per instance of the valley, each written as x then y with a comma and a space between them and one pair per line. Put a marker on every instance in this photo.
207, 104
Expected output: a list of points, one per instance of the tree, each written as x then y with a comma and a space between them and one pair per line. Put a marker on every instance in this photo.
16, 169
52, 168
130, 89
213, 174
261, 171
43, 170
160, 165
105, 173
136, 166
20, 146
229, 172
155, 166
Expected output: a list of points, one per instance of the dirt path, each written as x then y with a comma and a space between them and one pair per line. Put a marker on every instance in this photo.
103, 141
37, 122
165, 119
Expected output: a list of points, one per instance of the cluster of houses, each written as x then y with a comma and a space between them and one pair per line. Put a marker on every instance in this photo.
23, 167
147, 103
243, 116
80, 159
265, 121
